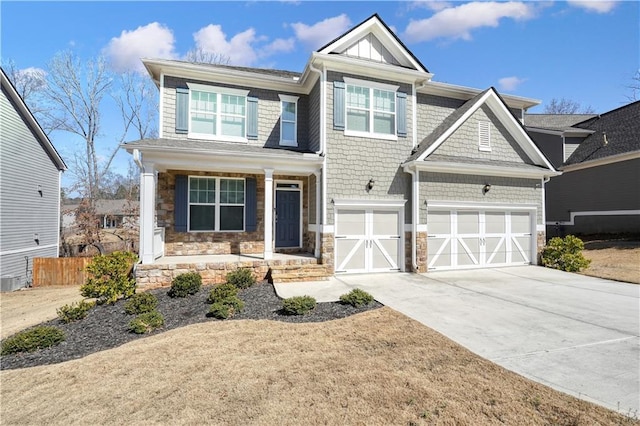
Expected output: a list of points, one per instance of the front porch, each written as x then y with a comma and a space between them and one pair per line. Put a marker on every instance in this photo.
214, 268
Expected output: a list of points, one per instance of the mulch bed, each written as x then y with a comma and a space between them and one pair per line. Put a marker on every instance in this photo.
106, 326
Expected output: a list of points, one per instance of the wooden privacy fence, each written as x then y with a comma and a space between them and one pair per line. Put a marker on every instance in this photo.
59, 271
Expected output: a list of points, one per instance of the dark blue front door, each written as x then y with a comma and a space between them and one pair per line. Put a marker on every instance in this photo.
287, 218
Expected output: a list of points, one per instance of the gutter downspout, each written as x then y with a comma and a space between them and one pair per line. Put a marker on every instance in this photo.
320, 206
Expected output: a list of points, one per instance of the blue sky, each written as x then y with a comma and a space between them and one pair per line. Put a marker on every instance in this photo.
582, 50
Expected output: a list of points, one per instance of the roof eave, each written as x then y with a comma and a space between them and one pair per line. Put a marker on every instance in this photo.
466, 93
478, 169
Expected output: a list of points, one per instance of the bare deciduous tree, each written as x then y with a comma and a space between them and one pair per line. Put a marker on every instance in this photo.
201, 56
30, 84
634, 86
566, 106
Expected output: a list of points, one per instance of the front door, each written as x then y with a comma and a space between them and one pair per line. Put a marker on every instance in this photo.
287, 218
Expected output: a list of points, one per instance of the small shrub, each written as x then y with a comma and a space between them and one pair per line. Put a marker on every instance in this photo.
140, 303
222, 292
146, 323
241, 278
75, 311
356, 298
298, 305
108, 277
32, 339
226, 308
185, 284
565, 254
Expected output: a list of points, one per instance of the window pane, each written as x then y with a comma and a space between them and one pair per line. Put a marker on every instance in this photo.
203, 101
233, 104
203, 123
358, 96
232, 191
384, 101
288, 111
384, 123
202, 218
231, 218
288, 132
232, 126
358, 120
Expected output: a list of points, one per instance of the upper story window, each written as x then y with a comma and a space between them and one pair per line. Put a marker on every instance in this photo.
484, 136
370, 109
288, 120
217, 113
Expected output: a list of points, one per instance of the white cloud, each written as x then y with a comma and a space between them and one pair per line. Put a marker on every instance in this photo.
594, 5
278, 45
510, 84
435, 5
458, 22
151, 41
239, 49
320, 33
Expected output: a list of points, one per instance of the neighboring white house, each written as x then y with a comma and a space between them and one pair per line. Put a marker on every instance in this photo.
30, 169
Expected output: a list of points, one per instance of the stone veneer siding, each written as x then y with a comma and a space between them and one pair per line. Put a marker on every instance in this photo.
200, 243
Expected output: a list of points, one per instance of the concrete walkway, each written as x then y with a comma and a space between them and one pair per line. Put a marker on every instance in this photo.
575, 333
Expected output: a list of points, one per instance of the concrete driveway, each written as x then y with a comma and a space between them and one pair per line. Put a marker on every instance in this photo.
577, 334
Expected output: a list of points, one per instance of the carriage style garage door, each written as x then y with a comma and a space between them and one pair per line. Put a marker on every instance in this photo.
479, 238
368, 240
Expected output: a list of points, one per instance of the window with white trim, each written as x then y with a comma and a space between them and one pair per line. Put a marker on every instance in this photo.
216, 204
217, 112
370, 109
484, 136
288, 120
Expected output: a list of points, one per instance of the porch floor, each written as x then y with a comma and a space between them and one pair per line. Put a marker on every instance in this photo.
232, 258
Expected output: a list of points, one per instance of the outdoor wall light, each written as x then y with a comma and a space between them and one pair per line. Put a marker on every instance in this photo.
40, 190
370, 184
486, 188
36, 238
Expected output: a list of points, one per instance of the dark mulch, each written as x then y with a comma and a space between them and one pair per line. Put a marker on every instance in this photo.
106, 326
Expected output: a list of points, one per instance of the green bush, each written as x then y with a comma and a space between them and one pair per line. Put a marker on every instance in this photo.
226, 308
356, 298
185, 284
222, 292
75, 311
565, 254
32, 339
108, 277
146, 323
298, 305
140, 303
241, 278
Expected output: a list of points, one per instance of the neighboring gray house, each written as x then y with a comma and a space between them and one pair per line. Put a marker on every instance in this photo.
29, 190
361, 160
599, 155
110, 214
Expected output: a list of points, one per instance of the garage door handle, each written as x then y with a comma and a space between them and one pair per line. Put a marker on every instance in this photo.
341, 236
394, 237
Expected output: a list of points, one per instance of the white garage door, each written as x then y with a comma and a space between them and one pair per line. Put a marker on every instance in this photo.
479, 238
368, 240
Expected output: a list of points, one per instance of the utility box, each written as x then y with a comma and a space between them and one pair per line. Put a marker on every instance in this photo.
10, 283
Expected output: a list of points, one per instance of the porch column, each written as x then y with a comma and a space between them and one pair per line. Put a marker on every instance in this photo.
268, 214
147, 211
316, 252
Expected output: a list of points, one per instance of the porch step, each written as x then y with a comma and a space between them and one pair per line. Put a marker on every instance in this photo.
298, 273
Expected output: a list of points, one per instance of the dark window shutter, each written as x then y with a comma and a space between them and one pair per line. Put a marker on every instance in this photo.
251, 205
182, 110
338, 105
401, 113
252, 118
180, 203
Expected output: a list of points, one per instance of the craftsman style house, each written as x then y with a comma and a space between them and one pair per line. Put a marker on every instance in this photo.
360, 163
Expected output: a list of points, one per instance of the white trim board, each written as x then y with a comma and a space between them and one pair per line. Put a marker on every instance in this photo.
573, 216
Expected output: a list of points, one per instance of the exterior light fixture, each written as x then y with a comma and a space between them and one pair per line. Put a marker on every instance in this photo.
370, 184
486, 188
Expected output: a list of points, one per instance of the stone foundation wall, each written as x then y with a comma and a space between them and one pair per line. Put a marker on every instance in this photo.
421, 252
541, 242
326, 251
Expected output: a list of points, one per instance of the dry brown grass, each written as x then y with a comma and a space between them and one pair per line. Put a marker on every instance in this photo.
616, 260
375, 368
24, 308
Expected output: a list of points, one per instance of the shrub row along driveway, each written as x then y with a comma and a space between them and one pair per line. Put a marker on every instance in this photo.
574, 333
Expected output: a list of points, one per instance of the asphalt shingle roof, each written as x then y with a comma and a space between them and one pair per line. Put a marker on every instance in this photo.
555, 121
475, 161
622, 129
266, 71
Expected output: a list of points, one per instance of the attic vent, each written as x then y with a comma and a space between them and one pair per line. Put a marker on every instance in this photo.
484, 135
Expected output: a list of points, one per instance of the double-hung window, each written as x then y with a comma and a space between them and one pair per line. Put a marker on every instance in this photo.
370, 109
288, 120
217, 113
216, 204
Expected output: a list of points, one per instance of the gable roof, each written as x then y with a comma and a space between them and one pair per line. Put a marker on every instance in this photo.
492, 99
375, 25
617, 132
31, 121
